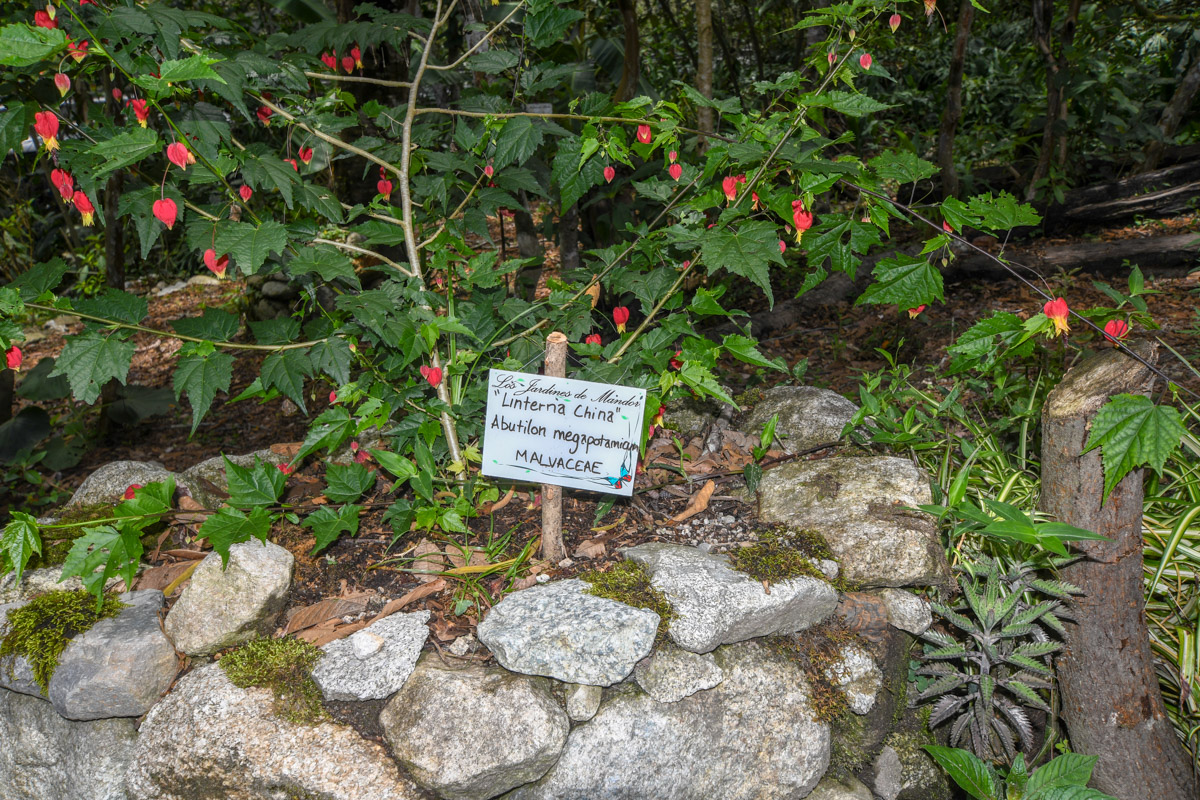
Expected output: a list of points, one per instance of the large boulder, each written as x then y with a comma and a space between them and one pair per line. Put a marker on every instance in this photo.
715, 604
473, 732
119, 667
559, 631
221, 608
374, 662
45, 757
212, 471
752, 736
108, 483
210, 740
808, 416
16, 673
865, 508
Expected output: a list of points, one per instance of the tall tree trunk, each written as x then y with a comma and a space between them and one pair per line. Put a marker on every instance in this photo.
1174, 114
704, 66
731, 62
1057, 67
628, 87
1111, 699
953, 110
568, 239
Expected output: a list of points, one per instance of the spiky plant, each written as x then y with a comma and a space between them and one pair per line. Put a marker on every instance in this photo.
1001, 663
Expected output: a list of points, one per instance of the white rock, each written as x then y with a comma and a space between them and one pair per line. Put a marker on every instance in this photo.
671, 674
352, 670
857, 677
582, 701
366, 644
808, 416
906, 611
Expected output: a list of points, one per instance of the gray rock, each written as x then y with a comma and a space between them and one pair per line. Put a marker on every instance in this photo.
857, 677
808, 416
45, 757
753, 736
904, 771
436, 726
212, 470
221, 608
888, 774
374, 662
15, 672
582, 701
39, 581
558, 631
906, 611
209, 740
119, 667
691, 416
463, 645
843, 788
170, 288
671, 674
718, 605
204, 280
865, 510
278, 290
108, 483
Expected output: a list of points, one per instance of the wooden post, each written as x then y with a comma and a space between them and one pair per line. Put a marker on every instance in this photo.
552, 543
1111, 699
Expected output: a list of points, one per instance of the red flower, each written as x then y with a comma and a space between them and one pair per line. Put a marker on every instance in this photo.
246, 193
63, 181
329, 60
1116, 330
489, 171
864, 61
117, 94
643, 134
620, 316
141, 111
356, 54
675, 364
832, 57
217, 266
131, 489
1058, 312
930, 6
306, 154
13, 358
166, 212
179, 155
729, 187
348, 64
894, 22
63, 84
332, 397
676, 171
802, 219
84, 206
946, 227
913, 313
264, 115
672, 156
286, 469
782, 247
609, 173
78, 51
593, 339
385, 188
44, 20
432, 375
46, 125
292, 161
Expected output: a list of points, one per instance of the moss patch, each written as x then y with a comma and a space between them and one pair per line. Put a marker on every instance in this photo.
41, 629
815, 651
284, 667
628, 582
782, 554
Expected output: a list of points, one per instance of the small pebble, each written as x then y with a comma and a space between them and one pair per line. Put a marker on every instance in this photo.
543, 578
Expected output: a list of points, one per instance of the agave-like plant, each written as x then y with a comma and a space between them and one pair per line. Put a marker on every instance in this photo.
1002, 662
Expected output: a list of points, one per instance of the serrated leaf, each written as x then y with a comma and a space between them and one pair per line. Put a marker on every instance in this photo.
18, 543
967, 770
744, 349
286, 371
852, 105
492, 61
1133, 431
115, 305
902, 166
260, 485
44, 277
213, 324
14, 125
328, 526
328, 262
516, 142
124, 149
91, 360
201, 373
747, 251
101, 553
347, 482
230, 526
329, 430
547, 23
332, 357
250, 245
904, 280
24, 45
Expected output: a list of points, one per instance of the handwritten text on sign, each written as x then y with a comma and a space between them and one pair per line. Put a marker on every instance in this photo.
562, 432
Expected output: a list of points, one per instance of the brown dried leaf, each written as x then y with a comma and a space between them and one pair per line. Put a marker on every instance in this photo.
286, 449
187, 504
162, 576
411, 597
428, 559
592, 548
490, 508
699, 503
187, 555
333, 608
329, 631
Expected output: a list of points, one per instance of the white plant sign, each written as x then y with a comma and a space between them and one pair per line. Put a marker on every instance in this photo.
563, 432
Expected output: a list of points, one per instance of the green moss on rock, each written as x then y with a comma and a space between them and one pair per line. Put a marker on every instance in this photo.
57, 542
40, 630
285, 667
628, 582
782, 554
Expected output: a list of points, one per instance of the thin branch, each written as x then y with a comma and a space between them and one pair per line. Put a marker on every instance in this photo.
453, 215
333, 140
510, 114
333, 76
654, 311
363, 251
482, 40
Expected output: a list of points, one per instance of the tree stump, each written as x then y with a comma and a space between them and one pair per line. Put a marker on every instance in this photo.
1110, 693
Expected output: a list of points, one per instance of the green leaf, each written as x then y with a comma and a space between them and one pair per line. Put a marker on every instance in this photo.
44, 277
91, 360
124, 149
970, 773
265, 170
101, 553
1133, 432
23, 45
115, 305
18, 543
326, 261
748, 252
516, 142
229, 527
492, 61
193, 68
14, 125
260, 485
399, 466
249, 245
214, 324
902, 166
1074, 793
327, 525
904, 280
280, 330
546, 24
852, 105
347, 482
743, 349
286, 372
148, 505
201, 372
334, 426
332, 357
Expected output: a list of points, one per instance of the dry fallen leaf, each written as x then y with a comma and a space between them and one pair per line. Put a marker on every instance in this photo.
411, 597
161, 577
187, 504
592, 548
699, 502
329, 631
428, 559
490, 508
333, 608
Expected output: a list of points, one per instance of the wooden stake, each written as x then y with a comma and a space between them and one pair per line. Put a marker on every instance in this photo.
552, 543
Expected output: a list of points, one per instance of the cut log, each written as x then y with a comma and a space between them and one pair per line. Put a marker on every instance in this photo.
1163, 203
1138, 184
1156, 255
1110, 693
